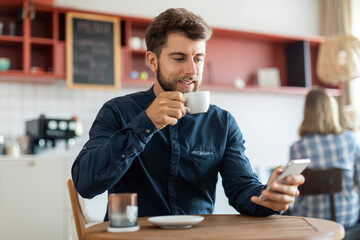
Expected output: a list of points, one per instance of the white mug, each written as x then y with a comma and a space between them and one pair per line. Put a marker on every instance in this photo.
197, 102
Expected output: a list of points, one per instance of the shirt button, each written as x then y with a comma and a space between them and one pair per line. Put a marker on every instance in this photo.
147, 130
123, 156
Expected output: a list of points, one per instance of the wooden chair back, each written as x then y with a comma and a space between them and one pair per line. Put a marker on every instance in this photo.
328, 182
78, 214
323, 182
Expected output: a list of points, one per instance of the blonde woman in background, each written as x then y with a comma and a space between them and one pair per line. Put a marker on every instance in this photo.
328, 145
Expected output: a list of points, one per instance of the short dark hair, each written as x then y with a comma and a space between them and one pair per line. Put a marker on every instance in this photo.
175, 20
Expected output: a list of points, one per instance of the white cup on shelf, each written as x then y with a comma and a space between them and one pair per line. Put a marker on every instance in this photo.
135, 43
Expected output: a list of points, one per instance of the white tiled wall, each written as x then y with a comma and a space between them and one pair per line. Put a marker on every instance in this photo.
21, 102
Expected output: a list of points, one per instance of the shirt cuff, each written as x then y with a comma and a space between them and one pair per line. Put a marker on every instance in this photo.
143, 126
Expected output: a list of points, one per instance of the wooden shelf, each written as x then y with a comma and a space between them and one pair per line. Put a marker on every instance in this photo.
43, 41
265, 90
140, 52
7, 38
42, 74
127, 82
12, 72
19, 73
20, 77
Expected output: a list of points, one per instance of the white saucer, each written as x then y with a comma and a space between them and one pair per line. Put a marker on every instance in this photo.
176, 221
123, 229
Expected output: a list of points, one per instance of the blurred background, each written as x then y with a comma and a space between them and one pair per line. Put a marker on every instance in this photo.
30, 99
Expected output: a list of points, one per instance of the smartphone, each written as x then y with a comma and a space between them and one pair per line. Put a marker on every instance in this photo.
294, 167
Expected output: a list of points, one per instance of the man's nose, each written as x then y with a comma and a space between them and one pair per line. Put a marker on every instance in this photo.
190, 68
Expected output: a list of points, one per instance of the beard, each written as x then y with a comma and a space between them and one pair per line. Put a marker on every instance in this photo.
171, 84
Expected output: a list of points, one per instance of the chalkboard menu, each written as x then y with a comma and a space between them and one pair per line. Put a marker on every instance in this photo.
92, 51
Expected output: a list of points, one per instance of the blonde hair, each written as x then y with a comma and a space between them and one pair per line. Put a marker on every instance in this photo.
321, 114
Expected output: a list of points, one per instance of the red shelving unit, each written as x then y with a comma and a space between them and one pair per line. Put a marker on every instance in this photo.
37, 50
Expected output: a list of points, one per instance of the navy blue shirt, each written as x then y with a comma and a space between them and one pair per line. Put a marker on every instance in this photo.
173, 170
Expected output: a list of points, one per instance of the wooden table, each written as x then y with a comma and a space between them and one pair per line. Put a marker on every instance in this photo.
231, 227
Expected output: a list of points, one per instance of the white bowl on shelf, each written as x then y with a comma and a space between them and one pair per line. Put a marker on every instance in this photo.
4, 64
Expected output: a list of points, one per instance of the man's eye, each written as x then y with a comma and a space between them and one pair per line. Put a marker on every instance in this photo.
199, 60
179, 59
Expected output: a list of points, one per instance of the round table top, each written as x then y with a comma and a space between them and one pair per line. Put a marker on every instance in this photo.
230, 227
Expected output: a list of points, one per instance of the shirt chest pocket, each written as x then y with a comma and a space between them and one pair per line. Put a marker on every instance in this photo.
203, 152
205, 156
201, 163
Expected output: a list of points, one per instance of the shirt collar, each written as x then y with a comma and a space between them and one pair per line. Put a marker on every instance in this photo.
151, 93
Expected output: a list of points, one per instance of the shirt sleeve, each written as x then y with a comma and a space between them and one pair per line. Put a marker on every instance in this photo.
111, 149
239, 181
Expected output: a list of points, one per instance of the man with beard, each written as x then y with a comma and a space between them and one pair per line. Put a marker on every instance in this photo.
146, 143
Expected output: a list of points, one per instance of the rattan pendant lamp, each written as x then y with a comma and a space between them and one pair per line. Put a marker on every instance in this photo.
338, 61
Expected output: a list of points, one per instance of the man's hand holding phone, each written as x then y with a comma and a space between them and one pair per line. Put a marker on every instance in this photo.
281, 191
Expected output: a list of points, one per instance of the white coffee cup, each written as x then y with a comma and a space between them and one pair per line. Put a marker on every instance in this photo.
197, 102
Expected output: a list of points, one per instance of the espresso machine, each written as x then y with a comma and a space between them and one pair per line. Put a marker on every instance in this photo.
45, 132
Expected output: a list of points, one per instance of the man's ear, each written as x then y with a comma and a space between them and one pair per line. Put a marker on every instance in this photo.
152, 60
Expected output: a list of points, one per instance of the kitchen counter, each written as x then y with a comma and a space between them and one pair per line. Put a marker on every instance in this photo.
34, 196
38, 157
